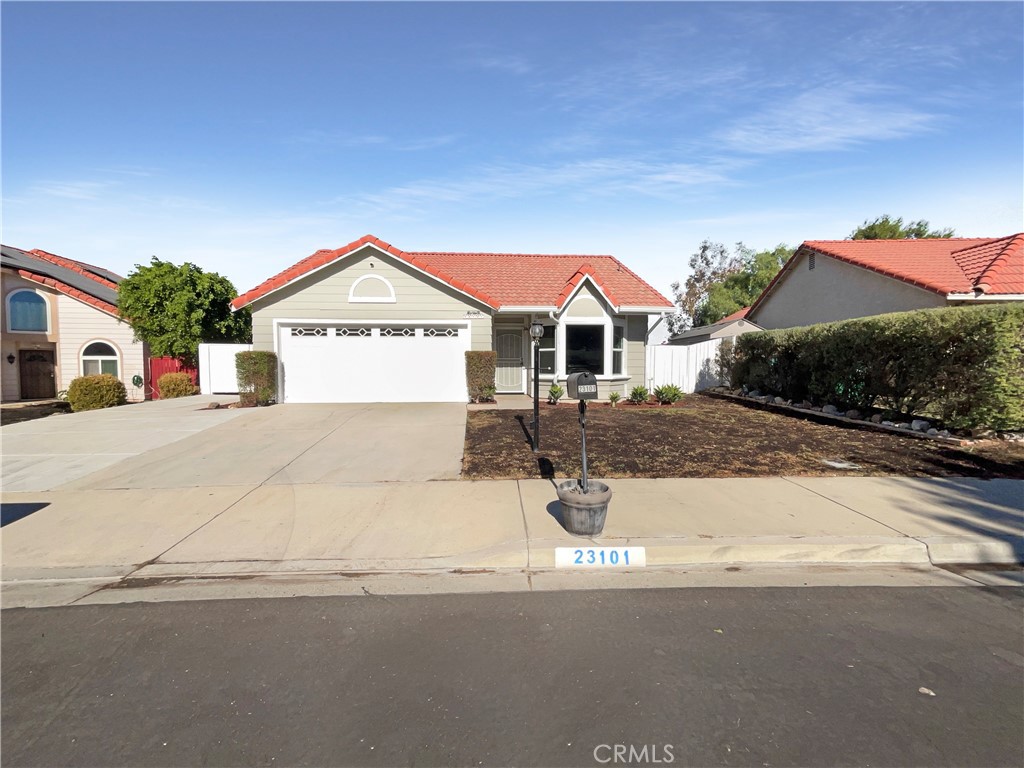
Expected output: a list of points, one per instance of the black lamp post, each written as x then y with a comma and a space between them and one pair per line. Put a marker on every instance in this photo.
536, 332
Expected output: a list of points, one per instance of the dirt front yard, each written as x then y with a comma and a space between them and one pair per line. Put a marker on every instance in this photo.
707, 437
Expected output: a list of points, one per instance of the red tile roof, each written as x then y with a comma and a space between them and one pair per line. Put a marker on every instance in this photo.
42, 278
497, 279
739, 314
952, 265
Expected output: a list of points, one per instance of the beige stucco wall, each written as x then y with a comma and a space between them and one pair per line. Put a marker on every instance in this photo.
73, 324
81, 324
10, 383
835, 290
324, 295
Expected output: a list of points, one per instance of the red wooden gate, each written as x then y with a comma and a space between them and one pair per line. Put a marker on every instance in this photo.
158, 366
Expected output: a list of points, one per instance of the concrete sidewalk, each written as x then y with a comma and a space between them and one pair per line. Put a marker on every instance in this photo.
69, 544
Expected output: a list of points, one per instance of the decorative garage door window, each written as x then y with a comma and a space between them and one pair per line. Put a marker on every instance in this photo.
384, 331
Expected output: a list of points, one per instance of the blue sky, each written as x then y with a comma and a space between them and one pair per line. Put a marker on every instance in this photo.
244, 136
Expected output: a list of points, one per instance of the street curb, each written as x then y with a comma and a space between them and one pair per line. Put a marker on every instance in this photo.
972, 550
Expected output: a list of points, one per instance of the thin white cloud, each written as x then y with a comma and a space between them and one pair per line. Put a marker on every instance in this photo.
827, 118
594, 178
511, 63
343, 140
75, 190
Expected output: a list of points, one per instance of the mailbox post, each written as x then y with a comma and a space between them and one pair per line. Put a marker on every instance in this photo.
583, 387
584, 502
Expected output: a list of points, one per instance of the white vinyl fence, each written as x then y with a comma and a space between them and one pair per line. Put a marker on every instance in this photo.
217, 374
691, 368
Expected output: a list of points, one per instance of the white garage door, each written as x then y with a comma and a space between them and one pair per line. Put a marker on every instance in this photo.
374, 362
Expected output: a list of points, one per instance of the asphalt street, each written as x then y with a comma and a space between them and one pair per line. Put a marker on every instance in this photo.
751, 677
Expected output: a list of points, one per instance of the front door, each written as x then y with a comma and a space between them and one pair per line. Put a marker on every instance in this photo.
37, 374
509, 375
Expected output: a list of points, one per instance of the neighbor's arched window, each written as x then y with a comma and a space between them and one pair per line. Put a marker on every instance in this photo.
27, 311
99, 357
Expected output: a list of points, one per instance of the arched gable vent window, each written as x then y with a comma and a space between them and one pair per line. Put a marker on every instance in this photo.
372, 289
99, 357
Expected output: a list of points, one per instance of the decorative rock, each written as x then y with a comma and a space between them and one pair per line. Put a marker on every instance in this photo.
943, 433
779, 401
903, 425
737, 392
806, 404
981, 433
767, 399
754, 393
876, 418
888, 424
853, 413
816, 408
920, 425
933, 432
831, 410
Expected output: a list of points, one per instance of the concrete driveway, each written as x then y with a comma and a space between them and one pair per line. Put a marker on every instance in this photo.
44, 454
301, 444
179, 444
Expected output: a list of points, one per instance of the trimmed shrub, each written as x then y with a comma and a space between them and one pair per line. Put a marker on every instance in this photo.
87, 393
480, 368
639, 395
668, 394
962, 365
555, 394
257, 377
175, 385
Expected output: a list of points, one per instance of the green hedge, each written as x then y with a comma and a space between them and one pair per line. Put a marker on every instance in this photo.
480, 369
257, 377
87, 393
963, 365
172, 385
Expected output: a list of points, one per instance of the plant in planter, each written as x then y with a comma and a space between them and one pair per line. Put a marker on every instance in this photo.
639, 395
613, 398
668, 394
555, 394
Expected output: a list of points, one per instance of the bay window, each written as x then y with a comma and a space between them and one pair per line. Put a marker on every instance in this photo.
584, 349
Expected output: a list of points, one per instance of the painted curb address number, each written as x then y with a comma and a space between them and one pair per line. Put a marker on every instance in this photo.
600, 557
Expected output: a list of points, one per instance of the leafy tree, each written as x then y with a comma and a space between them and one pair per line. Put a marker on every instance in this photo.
709, 265
740, 288
173, 309
887, 228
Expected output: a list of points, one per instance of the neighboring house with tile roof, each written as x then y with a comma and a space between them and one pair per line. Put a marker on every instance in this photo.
371, 323
59, 319
829, 280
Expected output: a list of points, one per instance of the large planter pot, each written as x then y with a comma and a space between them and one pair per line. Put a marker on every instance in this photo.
583, 514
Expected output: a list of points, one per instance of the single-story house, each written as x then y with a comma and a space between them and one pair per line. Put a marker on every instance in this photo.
728, 327
60, 321
829, 280
371, 323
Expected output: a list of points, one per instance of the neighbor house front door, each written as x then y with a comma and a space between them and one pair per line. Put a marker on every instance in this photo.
509, 374
37, 374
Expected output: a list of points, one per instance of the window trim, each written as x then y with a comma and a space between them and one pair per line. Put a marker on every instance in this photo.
607, 320
10, 316
116, 357
389, 299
